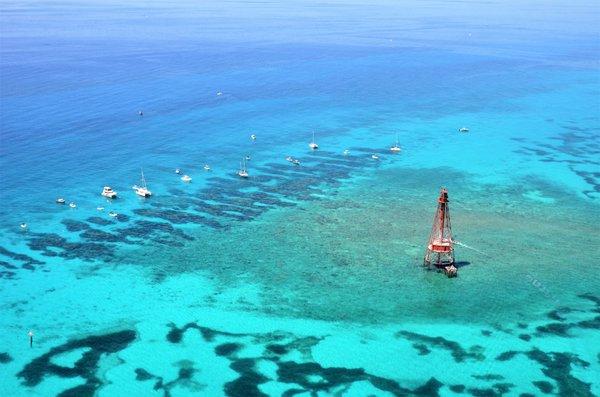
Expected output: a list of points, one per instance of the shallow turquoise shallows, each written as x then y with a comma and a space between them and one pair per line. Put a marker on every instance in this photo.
302, 279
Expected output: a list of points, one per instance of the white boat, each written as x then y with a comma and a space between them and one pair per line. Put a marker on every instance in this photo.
178, 171
186, 178
396, 148
463, 129
243, 172
23, 225
293, 160
72, 205
313, 145
60, 200
100, 208
109, 193
206, 167
141, 113
113, 214
142, 190
375, 157
346, 152
248, 158
219, 93
253, 137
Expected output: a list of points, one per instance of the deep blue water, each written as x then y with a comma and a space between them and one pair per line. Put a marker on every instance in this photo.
523, 77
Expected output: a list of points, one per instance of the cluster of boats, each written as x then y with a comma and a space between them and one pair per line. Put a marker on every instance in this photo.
108, 192
143, 191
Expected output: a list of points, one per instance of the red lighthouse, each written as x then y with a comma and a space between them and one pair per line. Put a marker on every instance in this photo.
440, 249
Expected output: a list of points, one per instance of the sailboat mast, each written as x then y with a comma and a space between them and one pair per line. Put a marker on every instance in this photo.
143, 179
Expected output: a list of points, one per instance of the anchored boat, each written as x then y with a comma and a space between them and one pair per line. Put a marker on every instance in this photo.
142, 190
396, 148
313, 145
243, 172
108, 192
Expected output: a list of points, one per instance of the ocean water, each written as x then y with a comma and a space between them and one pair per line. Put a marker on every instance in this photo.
300, 280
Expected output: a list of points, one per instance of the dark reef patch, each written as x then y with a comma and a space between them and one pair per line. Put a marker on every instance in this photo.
18, 261
306, 377
86, 367
5, 358
575, 146
277, 349
421, 348
47, 243
176, 334
75, 226
506, 356
184, 379
488, 377
246, 384
525, 337
227, 349
558, 366
456, 350
458, 388
143, 375
543, 386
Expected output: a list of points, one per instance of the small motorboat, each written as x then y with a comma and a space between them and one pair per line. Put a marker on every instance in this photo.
313, 145
142, 190
243, 172
109, 193
113, 214
253, 137
346, 152
396, 147
100, 208
177, 171
140, 113
206, 167
248, 158
186, 178
23, 225
375, 157
463, 130
60, 200
293, 160
72, 205
219, 93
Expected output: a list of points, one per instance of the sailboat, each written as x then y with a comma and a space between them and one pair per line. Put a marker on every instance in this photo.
243, 173
313, 145
142, 190
396, 147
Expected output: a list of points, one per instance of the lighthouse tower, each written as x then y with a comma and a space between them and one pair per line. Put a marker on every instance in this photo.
440, 250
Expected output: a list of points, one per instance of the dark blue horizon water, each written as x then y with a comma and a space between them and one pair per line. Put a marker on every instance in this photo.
298, 271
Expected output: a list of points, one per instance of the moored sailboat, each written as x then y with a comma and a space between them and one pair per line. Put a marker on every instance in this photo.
142, 190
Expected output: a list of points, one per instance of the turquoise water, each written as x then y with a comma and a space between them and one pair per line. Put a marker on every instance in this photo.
300, 280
